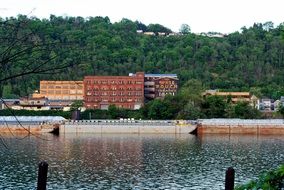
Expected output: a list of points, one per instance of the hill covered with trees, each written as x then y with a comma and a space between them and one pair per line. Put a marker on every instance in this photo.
250, 60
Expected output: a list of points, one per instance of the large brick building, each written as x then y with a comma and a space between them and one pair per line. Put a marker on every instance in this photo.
159, 85
122, 91
61, 90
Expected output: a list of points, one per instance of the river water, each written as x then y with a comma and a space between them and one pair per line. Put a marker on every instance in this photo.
136, 161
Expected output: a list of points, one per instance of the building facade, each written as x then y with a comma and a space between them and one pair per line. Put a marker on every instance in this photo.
61, 90
122, 91
159, 85
28, 103
235, 96
9, 103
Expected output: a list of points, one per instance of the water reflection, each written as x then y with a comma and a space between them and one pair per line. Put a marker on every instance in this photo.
137, 161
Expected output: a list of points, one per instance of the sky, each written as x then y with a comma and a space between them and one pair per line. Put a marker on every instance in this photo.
225, 16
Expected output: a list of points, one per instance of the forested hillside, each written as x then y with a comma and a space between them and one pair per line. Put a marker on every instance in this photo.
252, 59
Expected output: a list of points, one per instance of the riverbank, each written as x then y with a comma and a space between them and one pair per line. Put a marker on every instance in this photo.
204, 126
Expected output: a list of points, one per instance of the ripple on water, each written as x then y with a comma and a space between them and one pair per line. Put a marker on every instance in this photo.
138, 162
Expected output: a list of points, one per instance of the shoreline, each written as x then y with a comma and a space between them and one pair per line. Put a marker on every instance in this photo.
204, 126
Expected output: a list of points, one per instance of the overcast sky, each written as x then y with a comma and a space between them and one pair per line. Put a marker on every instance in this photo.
224, 16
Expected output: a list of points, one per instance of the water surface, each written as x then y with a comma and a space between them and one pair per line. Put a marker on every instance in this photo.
137, 161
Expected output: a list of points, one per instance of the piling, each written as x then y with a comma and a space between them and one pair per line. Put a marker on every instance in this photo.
42, 175
230, 179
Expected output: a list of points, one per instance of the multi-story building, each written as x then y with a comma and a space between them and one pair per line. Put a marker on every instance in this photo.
159, 85
235, 96
266, 104
122, 91
27, 103
61, 90
9, 103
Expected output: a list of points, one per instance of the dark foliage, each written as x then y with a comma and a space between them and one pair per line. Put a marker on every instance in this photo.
251, 59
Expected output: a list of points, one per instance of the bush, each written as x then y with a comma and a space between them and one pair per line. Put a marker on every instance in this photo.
272, 180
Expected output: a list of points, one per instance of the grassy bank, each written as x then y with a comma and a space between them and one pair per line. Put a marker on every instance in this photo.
272, 180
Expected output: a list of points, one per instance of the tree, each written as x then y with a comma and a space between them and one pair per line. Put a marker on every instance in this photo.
7, 91
76, 105
281, 109
214, 107
190, 111
158, 28
245, 111
192, 91
25, 52
185, 29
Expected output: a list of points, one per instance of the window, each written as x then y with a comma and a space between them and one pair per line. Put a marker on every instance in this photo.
65, 91
65, 97
72, 91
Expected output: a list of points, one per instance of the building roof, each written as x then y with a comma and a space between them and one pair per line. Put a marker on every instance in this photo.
217, 93
233, 93
10, 100
161, 75
61, 81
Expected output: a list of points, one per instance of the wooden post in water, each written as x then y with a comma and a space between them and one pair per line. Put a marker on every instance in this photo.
42, 175
230, 179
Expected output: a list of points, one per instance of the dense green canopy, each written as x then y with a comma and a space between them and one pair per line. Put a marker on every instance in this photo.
250, 60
